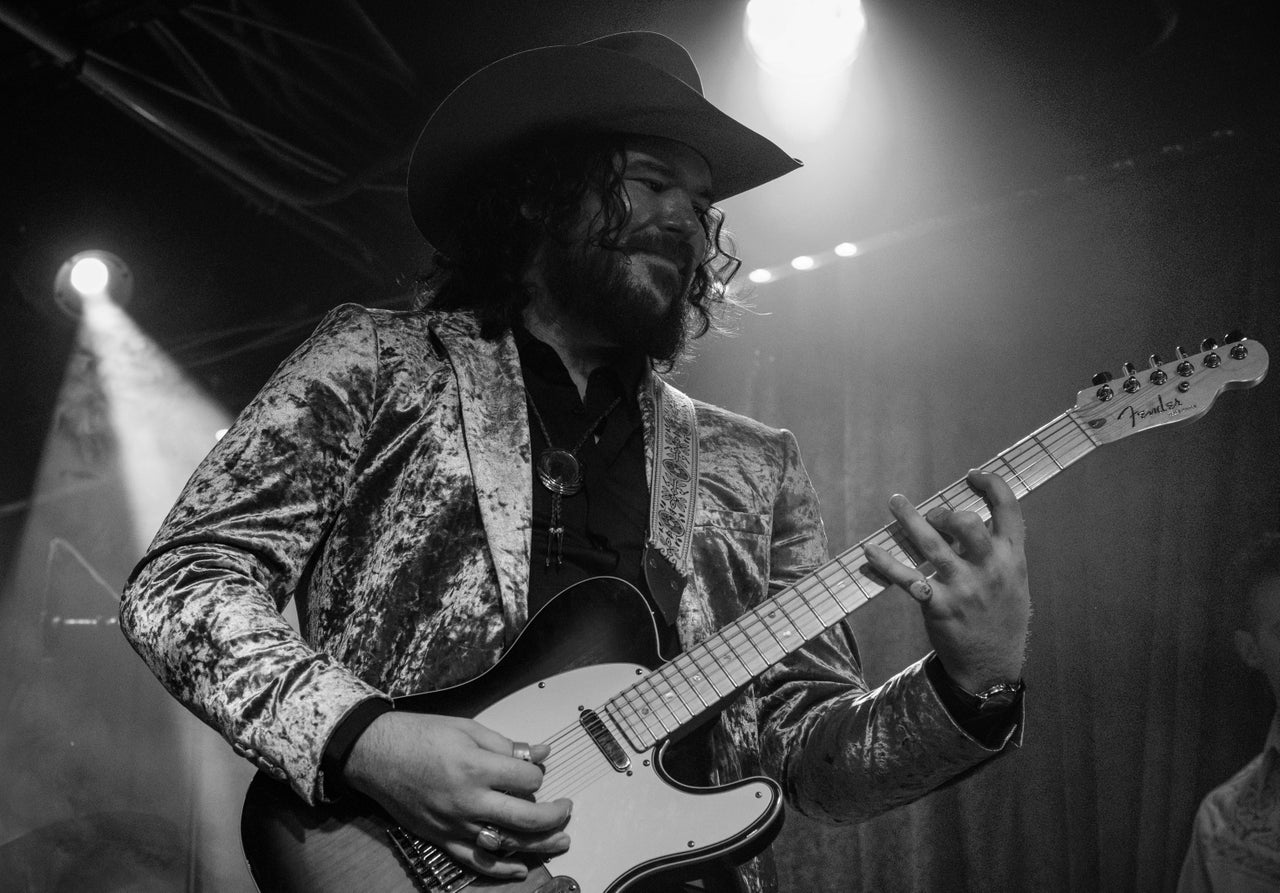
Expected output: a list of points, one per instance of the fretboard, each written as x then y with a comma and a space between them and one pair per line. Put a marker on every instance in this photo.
684, 688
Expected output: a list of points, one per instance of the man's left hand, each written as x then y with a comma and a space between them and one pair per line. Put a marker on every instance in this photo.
977, 606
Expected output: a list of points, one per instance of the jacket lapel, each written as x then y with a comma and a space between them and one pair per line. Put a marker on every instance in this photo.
495, 427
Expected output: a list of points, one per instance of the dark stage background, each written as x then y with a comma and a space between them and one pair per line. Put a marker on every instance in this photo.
1040, 191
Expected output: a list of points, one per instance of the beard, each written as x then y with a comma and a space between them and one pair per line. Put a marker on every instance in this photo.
596, 285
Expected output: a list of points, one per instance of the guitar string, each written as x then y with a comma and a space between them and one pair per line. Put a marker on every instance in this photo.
575, 746
1031, 462
807, 605
1028, 474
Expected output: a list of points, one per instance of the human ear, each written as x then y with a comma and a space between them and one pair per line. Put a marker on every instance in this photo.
1247, 648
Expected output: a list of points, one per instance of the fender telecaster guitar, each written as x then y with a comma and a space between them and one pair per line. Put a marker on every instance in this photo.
585, 676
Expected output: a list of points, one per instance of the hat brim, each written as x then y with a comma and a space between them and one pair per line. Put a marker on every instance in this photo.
581, 88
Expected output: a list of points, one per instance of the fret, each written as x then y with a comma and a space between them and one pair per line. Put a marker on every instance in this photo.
752, 642
795, 628
1026, 488
899, 539
768, 627
1037, 442
727, 637
654, 700
675, 665
703, 673
800, 595
833, 591
639, 718
651, 701
719, 666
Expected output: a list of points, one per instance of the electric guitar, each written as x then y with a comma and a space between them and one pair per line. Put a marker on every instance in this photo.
585, 676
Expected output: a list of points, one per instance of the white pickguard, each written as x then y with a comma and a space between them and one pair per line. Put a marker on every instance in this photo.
622, 820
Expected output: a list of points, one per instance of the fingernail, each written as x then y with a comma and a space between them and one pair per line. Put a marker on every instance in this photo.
921, 591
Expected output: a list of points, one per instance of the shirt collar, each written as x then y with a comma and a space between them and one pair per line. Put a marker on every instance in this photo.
543, 359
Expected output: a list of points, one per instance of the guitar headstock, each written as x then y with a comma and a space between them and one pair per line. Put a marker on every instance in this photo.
1165, 392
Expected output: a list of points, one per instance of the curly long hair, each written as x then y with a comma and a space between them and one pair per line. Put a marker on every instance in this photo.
534, 193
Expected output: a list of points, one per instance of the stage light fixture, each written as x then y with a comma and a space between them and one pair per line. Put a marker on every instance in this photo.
760, 275
846, 249
803, 262
92, 275
805, 39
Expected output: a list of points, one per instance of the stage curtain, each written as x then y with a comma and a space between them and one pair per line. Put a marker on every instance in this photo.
943, 344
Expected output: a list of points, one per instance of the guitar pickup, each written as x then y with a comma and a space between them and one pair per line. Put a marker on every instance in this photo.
604, 740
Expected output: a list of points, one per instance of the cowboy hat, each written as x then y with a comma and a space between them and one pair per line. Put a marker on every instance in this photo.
635, 82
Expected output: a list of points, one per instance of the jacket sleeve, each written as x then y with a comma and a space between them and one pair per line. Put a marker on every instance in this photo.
202, 607
844, 753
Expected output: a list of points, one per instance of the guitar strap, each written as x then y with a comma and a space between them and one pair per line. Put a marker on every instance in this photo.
673, 483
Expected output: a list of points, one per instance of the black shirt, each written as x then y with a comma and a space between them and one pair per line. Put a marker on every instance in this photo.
605, 523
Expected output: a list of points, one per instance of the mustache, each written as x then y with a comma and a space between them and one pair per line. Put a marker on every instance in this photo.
665, 245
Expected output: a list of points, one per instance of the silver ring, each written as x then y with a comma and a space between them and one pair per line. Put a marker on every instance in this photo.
921, 591
521, 751
489, 838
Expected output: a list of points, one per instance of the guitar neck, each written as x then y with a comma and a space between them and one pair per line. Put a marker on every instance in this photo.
695, 681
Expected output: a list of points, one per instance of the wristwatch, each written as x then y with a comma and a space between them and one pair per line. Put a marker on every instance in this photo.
995, 699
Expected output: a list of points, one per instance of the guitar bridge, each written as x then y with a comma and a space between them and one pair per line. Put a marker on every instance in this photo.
434, 870
604, 740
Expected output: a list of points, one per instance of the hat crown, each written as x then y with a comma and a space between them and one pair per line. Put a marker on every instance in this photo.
654, 49
634, 83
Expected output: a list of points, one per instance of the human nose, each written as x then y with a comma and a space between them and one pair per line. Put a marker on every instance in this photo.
681, 217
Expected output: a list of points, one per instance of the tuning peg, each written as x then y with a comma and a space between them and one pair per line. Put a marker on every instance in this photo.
1185, 368
1158, 375
1131, 383
1104, 392
1211, 358
1236, 339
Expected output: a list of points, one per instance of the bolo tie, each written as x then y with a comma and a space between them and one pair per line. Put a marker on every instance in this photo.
561, 473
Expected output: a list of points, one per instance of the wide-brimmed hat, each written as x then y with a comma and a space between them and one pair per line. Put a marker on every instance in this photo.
635, 82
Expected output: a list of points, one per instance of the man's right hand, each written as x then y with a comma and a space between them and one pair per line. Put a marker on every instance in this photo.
445, 778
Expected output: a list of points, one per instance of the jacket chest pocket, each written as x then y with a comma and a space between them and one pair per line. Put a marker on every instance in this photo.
731, 554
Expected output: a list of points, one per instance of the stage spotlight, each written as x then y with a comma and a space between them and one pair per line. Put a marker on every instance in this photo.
803, 262
846, 249
805, 39
91, 276
761, 275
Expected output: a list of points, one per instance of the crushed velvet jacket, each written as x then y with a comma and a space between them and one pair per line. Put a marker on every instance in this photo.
382, 479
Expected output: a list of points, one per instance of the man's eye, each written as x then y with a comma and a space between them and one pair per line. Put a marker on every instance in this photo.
651, 185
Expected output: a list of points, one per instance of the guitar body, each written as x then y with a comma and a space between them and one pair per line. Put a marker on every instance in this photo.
590, 642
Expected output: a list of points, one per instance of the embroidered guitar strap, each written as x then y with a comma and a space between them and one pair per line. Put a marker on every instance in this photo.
673, 486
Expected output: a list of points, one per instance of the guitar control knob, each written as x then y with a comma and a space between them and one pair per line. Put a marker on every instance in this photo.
1158, 375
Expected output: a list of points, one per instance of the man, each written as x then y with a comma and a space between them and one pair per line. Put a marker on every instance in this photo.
424, 482
1235, 844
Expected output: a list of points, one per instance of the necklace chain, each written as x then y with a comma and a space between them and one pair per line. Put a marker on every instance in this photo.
560, 472
581, 440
